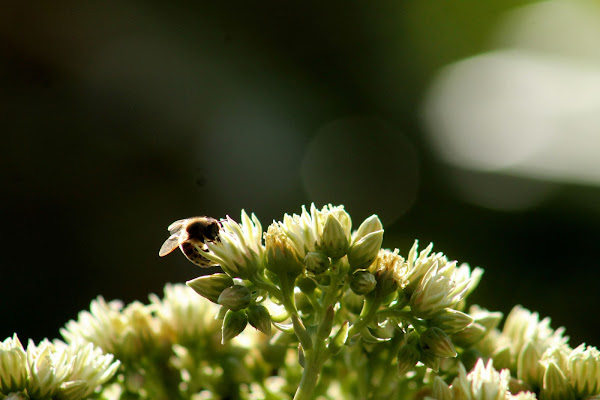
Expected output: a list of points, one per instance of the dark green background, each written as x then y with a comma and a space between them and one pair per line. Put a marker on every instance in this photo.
119, 117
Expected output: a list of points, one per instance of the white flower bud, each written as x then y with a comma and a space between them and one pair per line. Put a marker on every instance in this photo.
334, 241
555, 385
13, 359
282, 257
211, 286
584, 365
369, 225
529, 368
451, 321
364, 251
469, 336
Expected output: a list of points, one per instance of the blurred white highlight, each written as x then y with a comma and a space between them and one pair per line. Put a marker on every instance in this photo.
526, 111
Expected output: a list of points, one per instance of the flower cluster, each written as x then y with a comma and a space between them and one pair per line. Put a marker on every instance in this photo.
482, 383
170, 348
335, 314
53, 369
539, 358
337, 287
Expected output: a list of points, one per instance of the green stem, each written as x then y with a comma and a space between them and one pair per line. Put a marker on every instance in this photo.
314, 302
268, 287
385, 384
317, 356
313, 363
287, 294
366, 316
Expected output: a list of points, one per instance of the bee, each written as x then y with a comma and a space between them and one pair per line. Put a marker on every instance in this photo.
191, 235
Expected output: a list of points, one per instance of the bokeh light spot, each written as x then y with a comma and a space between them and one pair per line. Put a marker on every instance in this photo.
363, 163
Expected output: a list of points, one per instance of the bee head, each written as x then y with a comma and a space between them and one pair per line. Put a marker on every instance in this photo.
211, 231
203, 229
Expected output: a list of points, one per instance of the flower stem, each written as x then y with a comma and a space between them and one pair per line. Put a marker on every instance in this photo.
310, 376
366, 316
315, 357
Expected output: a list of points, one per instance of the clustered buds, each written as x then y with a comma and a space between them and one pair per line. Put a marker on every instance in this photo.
310, 275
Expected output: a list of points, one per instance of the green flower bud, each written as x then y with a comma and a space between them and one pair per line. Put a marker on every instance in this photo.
339, 339
362, 282
555, 385
469, 336
326, 324
430, 360
386, 282
364, 251
334, 241
316, 262
450, 321
408, 356
435, 341
301, 358
259, 317
211, 286
306, 285
234, 323
236, 297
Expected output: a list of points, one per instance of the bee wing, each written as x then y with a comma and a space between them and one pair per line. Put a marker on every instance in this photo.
169, 245
176, 226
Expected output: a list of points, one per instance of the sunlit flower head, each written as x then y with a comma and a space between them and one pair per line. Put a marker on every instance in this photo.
183, 315
339, 214
124, 332
89, 368
306, 230
388, 270
584, 370
13, 365
418, 264
484, 383
283, 255
240, 249
442, 286
67, 371
103, 325
522, 327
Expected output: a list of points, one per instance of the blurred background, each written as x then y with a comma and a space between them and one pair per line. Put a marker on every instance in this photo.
471, 124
